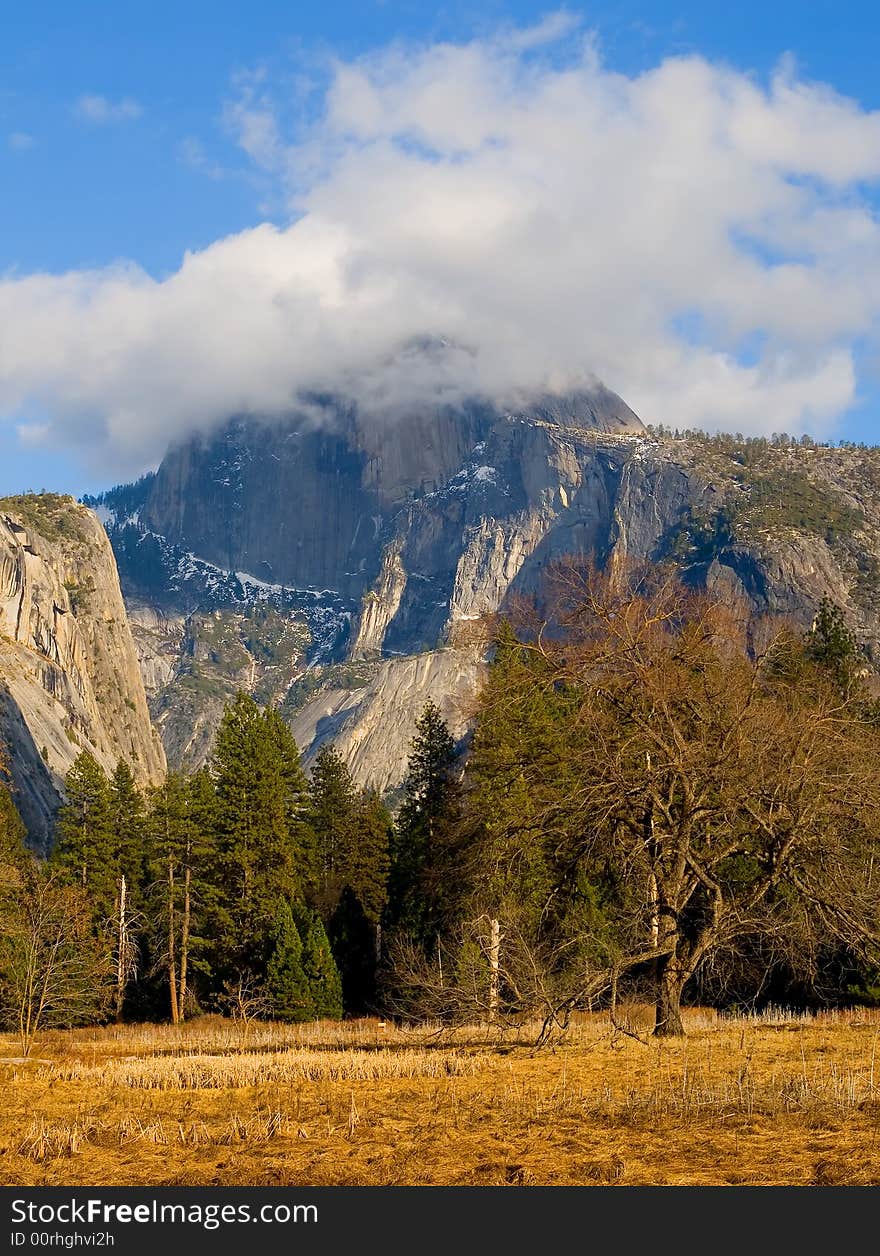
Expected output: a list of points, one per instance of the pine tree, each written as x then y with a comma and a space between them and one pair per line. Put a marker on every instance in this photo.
287, 986
356, 942
198, 884
84, 850
833, 645
355, 927
522, 724
293, 781
522, 781
425, 831
368, 861
169, 836
332, 807
264, 843
352, 833
319, 966
128, 823
181, 826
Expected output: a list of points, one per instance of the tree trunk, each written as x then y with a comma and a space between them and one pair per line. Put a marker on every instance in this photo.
172, 966
667, 1020
653, 916
494, 964
121, 950
184, 945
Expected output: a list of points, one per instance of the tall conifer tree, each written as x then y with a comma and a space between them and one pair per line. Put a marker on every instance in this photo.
263, 842
319, 966
182, 871
85, 845
425, 831
352, 831
287, 986
128, 822
332, 816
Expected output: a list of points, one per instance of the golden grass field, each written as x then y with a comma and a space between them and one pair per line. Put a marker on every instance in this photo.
778, 1099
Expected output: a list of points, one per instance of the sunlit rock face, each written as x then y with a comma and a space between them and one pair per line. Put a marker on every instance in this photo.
69, 673
313, 502
307, 559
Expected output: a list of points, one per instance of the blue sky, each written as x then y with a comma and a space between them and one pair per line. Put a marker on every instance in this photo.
123, 137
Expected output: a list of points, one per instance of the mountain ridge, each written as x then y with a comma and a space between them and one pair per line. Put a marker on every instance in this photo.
775, 524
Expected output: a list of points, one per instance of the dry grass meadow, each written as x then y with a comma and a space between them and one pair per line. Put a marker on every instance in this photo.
776, 1099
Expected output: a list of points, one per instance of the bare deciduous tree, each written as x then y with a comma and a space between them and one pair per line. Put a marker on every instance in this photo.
54, 973
728, 776
245, 1000
719, 777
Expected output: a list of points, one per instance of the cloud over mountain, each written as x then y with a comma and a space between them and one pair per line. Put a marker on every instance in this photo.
705, 244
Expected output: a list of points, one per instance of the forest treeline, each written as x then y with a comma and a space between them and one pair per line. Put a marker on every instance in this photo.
660, 797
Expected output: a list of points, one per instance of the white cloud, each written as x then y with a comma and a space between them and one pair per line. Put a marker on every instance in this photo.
99, 110
34, 435
191, 152
20, 141
549, 30
703, 243
250, 118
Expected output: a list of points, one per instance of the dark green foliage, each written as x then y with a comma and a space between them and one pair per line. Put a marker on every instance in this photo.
425, 832
128, 823
85, 848
700, 536
125, 499
322, 975
788, 498
13, 851
302, 980
352, 831
287, 987
332, 803
336, 676
832, 645
181, 878
367, 864
264, 846
287, 775
768, 498
79, 592
101, 846
526, 857
355, 942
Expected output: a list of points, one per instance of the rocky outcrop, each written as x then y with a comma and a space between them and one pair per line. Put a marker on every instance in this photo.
194, 664
308, 502
158, 641
387, 538
373, 726
69, 669
380, 604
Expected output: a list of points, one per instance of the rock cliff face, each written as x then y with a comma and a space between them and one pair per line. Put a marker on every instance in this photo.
373, 726
375, 543
364, 539
69, 675
306, 503
193, 665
